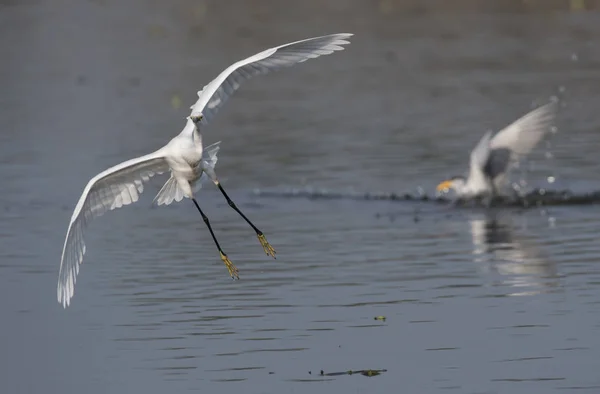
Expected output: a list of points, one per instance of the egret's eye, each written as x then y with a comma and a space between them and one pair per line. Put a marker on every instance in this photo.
197, 118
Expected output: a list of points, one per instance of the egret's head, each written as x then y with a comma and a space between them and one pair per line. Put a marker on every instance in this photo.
197, 118
455, 183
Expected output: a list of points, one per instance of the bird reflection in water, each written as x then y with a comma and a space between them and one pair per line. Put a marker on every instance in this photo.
499, 248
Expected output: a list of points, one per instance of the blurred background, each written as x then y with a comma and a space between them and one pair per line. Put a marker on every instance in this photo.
476, 301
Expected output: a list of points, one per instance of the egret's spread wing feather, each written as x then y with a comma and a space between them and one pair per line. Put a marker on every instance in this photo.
209, 155
216, 93
111, 189
209, 161
524, 134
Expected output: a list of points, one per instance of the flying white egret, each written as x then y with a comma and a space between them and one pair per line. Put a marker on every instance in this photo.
494, 157
183, 156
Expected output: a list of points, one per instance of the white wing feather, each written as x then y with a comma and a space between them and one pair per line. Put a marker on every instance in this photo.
216, 93
481, 153
524, 134
209, 155
479, 156
111, 189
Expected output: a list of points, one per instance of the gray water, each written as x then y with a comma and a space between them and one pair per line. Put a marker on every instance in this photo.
476, 301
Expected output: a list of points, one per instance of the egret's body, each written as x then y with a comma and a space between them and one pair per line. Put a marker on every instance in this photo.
494, 156
186, 166
184, 157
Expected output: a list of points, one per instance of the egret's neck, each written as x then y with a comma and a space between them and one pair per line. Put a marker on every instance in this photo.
197, 137
191, 131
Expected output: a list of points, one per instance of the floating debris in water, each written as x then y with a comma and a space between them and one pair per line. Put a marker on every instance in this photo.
380, 318
364, 372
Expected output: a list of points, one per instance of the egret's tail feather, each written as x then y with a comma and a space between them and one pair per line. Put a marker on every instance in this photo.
168, 193
172, 192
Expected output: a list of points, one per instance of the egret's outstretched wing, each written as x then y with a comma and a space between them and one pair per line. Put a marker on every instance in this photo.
524, 134
111, 189
216, 93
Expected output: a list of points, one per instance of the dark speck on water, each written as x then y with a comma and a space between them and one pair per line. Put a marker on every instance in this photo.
477, 300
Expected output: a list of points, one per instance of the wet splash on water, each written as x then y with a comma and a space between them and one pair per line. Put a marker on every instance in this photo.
534, 198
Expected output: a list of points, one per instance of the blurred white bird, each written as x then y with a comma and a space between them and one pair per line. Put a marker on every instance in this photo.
494, 157
183, 156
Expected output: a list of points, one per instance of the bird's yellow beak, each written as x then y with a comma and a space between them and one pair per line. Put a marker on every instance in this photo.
443, 186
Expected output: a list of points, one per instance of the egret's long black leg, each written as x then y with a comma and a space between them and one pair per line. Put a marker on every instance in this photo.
269, 250
233, 271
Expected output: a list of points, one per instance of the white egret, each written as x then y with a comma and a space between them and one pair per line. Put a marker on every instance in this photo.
494, 157
183, 156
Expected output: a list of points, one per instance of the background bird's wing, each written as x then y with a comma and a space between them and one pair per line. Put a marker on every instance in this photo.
477, 179
523, 135
111, 189
216, 93
499, 162
517, 140
481, 153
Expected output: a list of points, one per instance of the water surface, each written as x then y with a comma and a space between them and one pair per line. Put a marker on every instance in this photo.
475, 300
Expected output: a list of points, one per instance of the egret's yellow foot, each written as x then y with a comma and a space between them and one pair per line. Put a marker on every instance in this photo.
233, 271
269, 250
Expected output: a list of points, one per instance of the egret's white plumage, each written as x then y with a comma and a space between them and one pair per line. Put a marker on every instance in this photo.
114, 188
172, 192
495, 155
184, 156
212, 97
